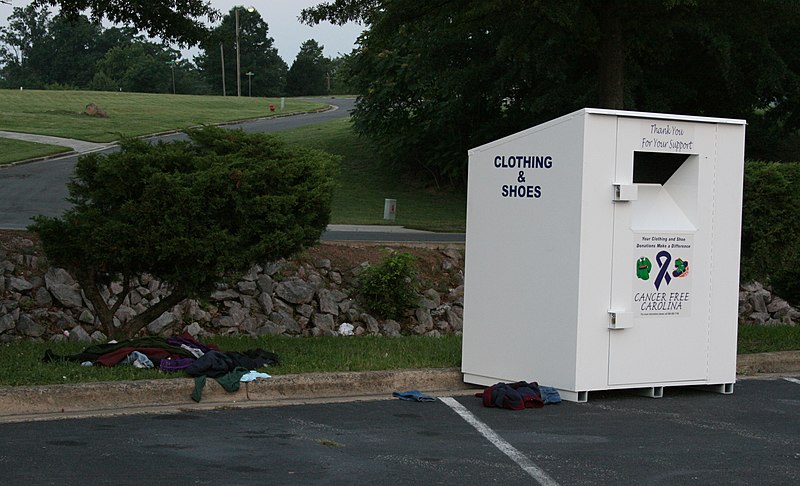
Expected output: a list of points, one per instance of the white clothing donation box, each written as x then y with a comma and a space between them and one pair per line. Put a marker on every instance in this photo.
603, 253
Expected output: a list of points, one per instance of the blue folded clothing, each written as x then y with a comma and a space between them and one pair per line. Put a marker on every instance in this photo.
413, 396
138, 359
549, 395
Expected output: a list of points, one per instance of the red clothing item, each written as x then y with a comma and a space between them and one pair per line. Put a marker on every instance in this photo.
114, 357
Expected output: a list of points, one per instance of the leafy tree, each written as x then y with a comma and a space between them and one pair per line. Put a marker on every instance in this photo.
187, 214
771, 227
23, 47
437, 78
258, 56
190, 80
141, 67
309, 72
340, 12
72, 51
103, 82
177, 21
39, 51
341, 75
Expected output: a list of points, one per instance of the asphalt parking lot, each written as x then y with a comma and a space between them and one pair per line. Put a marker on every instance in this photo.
686, 437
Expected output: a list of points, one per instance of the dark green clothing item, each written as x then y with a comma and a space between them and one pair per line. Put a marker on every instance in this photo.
230, 382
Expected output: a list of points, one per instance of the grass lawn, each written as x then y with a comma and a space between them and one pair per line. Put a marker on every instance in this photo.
763, 339
20, 363
60, 113
364, 184
16, 150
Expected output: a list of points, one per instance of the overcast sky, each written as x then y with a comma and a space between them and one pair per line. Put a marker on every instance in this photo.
281, 16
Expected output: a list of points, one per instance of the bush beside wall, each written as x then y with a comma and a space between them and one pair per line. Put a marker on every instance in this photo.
771, 227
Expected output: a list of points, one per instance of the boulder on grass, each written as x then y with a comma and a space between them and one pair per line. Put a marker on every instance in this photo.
93, 110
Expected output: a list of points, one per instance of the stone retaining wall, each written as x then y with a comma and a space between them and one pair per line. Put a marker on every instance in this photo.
758, 305
280, 298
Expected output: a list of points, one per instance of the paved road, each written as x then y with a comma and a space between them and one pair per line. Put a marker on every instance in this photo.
687, 437
40, 187
397, 234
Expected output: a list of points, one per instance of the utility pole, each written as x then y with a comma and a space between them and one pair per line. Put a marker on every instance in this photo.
238, 59
222, 62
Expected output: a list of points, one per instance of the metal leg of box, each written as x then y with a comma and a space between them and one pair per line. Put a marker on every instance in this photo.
722, 388
573, 396
650, 392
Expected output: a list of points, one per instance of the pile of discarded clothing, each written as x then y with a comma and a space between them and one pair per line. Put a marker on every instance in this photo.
519, 395
177, 354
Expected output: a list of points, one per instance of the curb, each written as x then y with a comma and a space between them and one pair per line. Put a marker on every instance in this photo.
49, 402
768, 363
38, 159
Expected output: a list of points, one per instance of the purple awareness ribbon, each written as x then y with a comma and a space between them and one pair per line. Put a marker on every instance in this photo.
663, 259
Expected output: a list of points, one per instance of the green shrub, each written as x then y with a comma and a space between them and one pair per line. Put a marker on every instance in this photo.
771, 227
186, 213
390, 288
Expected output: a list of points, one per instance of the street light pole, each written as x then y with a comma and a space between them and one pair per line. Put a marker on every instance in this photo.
249, 75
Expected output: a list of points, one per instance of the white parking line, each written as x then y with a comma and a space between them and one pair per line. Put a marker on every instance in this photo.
522, 461
793, 380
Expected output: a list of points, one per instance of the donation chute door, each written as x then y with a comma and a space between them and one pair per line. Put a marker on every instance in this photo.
659, 306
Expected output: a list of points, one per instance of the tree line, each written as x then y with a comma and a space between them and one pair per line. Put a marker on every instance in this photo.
437, 78
39, 50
